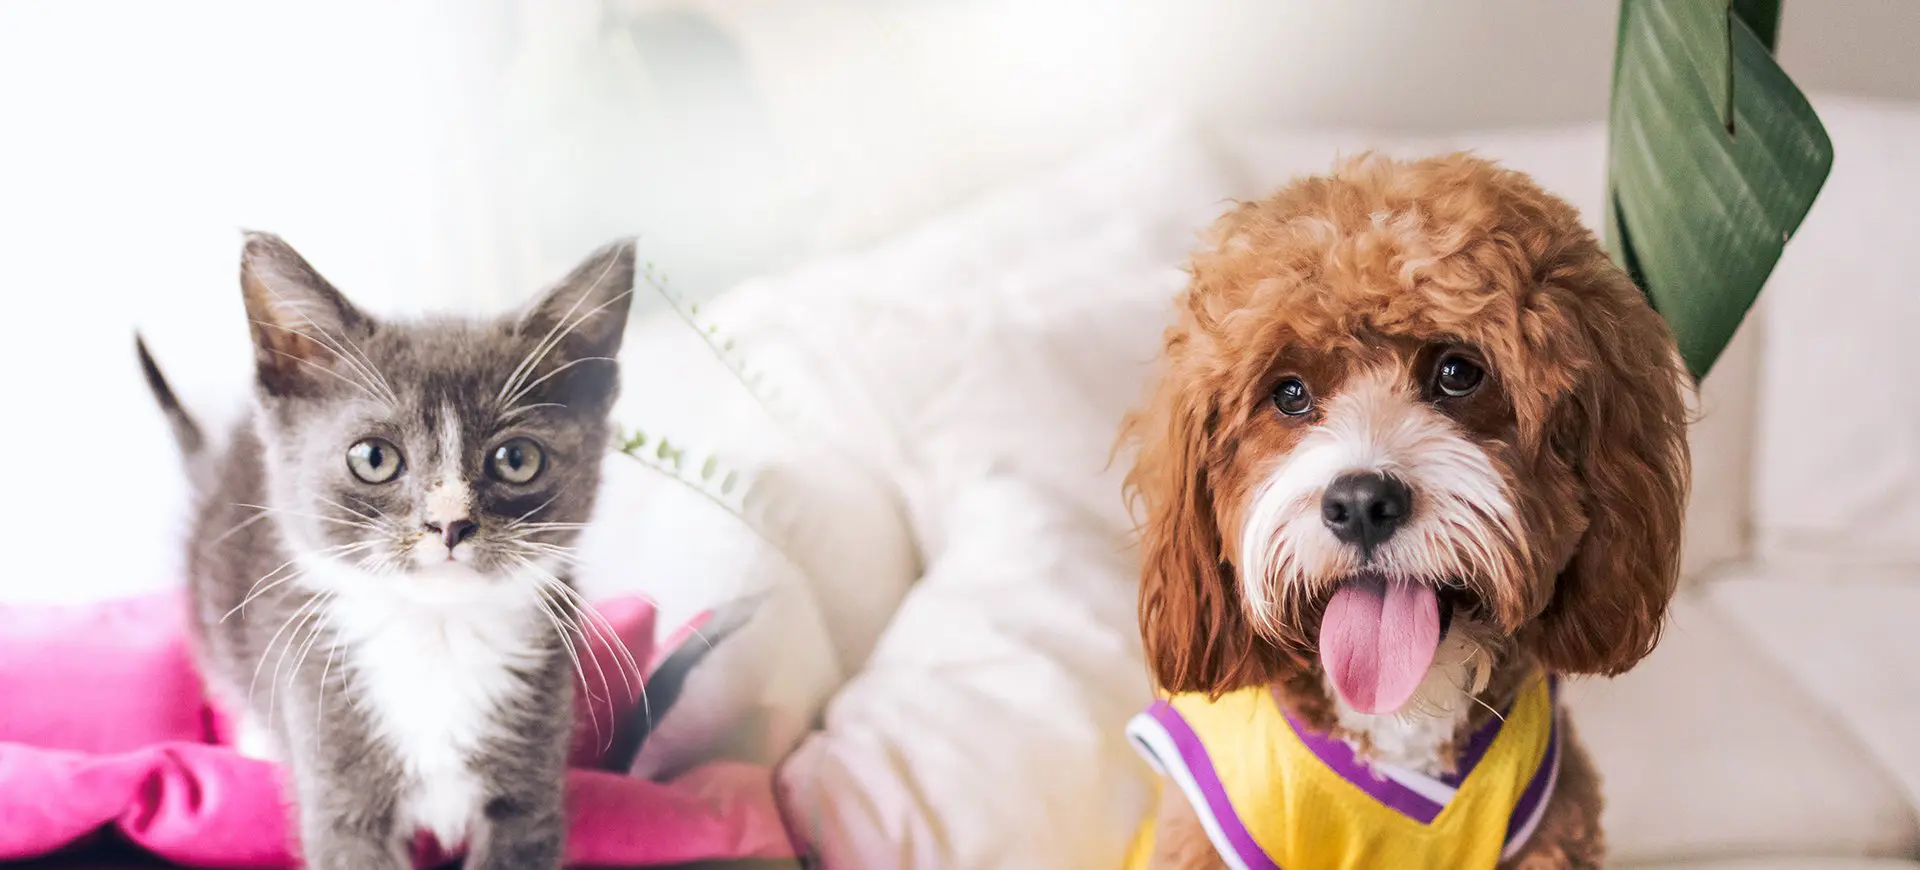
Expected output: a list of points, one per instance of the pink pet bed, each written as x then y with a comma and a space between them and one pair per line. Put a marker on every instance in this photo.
107, 743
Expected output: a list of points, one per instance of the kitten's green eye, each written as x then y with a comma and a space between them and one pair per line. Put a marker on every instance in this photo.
374, 460
517, 461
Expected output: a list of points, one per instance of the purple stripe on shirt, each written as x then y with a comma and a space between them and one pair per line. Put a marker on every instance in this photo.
1476, 748
1533, 801
1338, 756
1200, 765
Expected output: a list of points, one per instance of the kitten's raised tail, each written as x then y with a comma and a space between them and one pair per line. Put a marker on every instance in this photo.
186, 432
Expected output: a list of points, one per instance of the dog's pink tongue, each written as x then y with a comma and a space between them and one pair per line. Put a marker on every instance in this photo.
1377, 640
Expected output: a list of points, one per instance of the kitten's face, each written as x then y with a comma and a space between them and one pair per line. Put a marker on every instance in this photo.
444, 455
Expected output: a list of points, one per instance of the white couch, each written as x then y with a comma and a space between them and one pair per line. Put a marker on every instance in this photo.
951, 651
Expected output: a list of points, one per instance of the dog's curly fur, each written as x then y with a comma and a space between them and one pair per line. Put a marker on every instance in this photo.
1368, 275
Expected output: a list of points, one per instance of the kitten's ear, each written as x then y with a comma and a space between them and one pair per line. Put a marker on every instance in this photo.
586, 313
302, 327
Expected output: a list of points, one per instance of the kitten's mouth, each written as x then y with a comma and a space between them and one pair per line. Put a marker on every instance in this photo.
1378, 636
429, 554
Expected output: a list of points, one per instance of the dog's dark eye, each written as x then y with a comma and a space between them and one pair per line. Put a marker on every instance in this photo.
1292, 398
1457, 376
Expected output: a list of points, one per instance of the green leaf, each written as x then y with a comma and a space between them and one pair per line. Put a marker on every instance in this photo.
1762, 17
1714, 159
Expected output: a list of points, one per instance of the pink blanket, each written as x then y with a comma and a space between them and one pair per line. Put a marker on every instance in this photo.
106, 735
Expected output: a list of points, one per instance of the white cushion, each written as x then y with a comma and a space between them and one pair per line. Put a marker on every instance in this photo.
1839, 464
1846, 639
1706, 749
988, 729
999, 348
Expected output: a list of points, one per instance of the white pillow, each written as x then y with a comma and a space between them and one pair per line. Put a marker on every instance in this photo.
1838, 476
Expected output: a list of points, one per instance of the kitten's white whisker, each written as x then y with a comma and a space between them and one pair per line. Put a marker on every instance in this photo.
362, 367
656, 605
299, 615
320, 626
255, 591
523, 391
362, 517
538, 548
257, 516
529, 539
587, 632
573, 655
379, 377
358, 524
336, 375
307, 625
541, 348
517, 410
606, 688
559, 624
520, 392
370, 506
320, 704
517, 521
607, 633
589, 620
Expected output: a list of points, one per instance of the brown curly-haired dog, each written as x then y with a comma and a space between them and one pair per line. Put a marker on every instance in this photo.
1418, 395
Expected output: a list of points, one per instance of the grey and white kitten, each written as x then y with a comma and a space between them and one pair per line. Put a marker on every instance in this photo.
379, 562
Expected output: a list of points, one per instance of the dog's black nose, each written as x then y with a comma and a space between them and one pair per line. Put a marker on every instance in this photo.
1365, 508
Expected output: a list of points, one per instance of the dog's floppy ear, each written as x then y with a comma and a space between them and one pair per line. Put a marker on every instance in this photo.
1196, 635
1623, 430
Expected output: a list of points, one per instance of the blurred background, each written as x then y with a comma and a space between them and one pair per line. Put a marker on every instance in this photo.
432, 154
943, 214
441, 152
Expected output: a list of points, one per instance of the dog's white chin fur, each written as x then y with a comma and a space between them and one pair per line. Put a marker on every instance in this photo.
1419, 734
1463, 524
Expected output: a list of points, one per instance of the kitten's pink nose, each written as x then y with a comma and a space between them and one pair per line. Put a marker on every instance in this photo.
454, 531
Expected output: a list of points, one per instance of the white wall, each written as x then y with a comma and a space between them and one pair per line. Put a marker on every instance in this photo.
864, 115
1858, 47
435, 154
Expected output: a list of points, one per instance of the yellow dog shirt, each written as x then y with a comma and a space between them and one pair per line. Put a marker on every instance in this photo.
1272, 794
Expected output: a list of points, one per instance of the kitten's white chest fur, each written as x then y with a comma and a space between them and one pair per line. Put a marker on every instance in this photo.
431, 658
